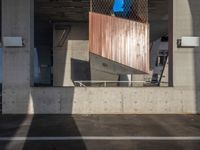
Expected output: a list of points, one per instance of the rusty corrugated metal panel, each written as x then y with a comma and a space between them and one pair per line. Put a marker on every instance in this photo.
120, 40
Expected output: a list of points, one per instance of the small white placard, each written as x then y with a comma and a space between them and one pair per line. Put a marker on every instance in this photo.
190, 41
12, 41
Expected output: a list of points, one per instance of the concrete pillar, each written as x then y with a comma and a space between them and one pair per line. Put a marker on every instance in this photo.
17, 20
70, 53
185, 21
61, 56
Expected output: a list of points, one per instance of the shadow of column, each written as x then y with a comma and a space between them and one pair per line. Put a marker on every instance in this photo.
54, 126
57, 101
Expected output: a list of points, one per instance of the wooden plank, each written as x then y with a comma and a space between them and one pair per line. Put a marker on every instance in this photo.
120, 40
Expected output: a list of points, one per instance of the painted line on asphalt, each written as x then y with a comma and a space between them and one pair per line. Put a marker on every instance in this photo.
125, 138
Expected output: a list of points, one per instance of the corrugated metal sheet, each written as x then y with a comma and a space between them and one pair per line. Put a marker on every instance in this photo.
120, 40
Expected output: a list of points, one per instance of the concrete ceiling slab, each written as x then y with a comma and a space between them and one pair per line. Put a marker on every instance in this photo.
77, 10
62, 10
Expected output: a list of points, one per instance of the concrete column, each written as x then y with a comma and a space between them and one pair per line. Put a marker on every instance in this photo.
61, 56
17, 20
70, 53
185, 21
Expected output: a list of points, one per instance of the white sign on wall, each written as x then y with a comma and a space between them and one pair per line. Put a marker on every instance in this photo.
190, 41
12, 41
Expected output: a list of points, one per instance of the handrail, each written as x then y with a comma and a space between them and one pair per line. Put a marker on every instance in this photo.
81, 83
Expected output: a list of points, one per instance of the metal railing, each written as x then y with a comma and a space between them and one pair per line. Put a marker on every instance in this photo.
109, 83
136, 10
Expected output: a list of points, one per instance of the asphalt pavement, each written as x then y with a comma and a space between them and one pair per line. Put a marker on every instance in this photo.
100, 132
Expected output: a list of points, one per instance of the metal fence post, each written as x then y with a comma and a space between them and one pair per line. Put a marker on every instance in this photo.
91, 2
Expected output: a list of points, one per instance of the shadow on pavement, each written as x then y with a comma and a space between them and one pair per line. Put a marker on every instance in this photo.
99, 125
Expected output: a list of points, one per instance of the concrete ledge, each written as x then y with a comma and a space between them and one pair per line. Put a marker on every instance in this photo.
93, 100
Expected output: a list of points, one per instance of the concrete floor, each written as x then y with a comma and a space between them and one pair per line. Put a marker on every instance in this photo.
99, 126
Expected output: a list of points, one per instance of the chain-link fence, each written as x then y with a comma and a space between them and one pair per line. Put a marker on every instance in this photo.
130, 9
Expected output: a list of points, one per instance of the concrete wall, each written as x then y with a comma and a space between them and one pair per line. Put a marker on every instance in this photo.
113, 100
71, 60
106, 70
72, 100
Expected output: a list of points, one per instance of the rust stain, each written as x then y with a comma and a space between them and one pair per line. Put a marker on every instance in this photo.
121, 40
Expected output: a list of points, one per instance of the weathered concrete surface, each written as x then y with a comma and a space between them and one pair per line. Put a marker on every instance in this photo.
100, 125
113, 101
108, 101
73, 54
17, 20
184, 70
107, 70
186, 61
108, 66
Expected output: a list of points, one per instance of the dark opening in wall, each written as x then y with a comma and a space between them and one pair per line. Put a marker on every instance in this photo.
43, 52
159, 52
